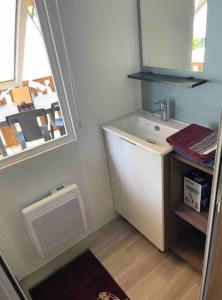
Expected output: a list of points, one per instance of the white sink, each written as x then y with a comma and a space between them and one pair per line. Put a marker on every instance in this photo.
145, 129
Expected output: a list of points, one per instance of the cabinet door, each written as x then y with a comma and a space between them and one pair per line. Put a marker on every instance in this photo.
117, 172
144, 189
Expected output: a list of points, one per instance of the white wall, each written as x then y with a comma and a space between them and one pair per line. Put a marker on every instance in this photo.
102, 41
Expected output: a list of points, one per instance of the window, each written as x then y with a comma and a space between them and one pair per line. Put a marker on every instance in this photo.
34, 111
8, 40
34, 50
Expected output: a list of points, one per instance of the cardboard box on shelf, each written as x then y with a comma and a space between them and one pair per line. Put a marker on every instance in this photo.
197, 190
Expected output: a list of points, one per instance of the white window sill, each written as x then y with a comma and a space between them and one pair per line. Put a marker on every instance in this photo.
35, 151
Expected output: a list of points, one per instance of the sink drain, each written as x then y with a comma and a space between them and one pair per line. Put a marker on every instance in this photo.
151, 141
157, 128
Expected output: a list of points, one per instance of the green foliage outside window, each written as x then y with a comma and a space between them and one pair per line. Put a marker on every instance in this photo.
198, 43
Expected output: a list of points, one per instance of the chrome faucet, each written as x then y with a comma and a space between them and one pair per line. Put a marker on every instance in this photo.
163, 110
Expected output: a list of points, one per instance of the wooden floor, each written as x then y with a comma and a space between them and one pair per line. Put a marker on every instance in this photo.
140, 269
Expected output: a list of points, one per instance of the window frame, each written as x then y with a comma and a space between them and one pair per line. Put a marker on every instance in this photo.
19, 43
50, 23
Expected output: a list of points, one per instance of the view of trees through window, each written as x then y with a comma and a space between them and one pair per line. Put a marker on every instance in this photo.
30, 112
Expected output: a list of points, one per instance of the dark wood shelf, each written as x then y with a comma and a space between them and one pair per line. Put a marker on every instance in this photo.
209, 171
188, 227
197, 220
189, 82
192, 254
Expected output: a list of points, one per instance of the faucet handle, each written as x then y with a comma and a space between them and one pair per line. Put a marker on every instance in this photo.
163, 104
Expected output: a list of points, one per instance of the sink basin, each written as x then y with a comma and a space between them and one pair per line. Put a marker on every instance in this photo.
145, 129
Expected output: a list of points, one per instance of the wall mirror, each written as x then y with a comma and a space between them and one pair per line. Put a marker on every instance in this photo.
174, 33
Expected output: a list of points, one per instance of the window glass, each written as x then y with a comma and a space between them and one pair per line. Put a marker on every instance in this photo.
30, 112
8, 38
35, 50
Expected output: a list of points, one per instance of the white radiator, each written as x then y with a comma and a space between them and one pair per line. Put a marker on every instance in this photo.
55, 220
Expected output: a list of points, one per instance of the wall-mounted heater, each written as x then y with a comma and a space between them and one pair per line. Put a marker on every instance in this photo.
56, 220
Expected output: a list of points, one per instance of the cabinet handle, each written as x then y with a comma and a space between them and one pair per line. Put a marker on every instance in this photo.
128, 141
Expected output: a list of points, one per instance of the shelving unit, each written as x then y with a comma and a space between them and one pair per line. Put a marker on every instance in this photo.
189, 82
188, 227
197, 220
194, 165
191, 249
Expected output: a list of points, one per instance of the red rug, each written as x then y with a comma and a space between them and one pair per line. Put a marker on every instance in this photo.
83, 279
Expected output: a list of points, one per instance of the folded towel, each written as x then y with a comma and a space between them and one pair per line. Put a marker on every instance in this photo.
206, 163
196, 141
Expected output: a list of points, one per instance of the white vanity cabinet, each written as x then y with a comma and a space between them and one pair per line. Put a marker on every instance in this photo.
137, 186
